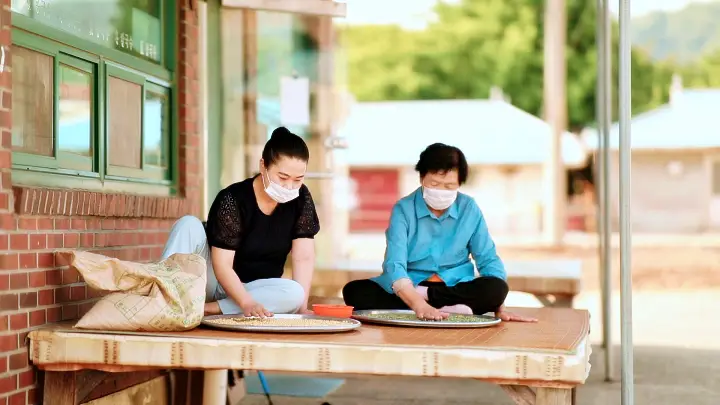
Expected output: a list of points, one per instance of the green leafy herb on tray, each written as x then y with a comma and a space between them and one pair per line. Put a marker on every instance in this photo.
455, 318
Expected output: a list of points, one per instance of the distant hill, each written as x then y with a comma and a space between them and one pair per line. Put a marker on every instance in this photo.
683, 35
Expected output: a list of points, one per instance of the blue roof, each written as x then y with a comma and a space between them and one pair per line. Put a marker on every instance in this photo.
690, 121
490, 132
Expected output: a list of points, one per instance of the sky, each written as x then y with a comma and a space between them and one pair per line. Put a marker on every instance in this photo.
416, 13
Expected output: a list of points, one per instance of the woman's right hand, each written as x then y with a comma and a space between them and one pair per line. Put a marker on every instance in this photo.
428, 312
252, 308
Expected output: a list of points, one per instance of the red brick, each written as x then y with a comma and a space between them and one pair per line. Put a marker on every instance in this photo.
38, 241
62, 224
9, 302
54, 314
53, 277
18, 361
4, 201
28, 261
45, 224
4, 282
77, 293
71, 240
19, 242
19, 321
70, 276
37, 318
36, 279
55, 241
70, 311
29, 224
8, 343
45, 260
17, 399
9, 261
87, 240
3, 364
31, 395
26, 379
62, 295
9, 383
7, 221
6, 141
4, 242
4, 323
29, 299
18, 281
78, 224
46, 297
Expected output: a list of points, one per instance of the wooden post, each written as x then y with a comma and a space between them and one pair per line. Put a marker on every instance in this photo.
254, 140
233, 47
555, 108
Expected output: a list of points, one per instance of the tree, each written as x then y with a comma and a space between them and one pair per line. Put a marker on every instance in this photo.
477, 44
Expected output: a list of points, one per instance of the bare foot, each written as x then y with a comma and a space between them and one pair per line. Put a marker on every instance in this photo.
422, 291
212, 308
457, 309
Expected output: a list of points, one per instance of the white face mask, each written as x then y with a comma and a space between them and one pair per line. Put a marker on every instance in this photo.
279, 193
439, 199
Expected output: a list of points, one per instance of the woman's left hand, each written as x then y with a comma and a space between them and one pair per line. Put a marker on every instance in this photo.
510, 317
305, 311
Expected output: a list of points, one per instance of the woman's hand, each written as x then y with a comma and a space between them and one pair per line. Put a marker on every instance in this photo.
510, 317
427, 312
251, 308
305, 311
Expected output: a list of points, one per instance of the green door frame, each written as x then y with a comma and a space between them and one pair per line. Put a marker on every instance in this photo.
214, 100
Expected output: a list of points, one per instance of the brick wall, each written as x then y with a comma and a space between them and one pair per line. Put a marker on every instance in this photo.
35, 222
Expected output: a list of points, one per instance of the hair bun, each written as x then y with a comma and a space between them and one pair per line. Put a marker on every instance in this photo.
279, 132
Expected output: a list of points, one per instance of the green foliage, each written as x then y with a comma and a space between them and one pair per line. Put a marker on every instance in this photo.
477, 44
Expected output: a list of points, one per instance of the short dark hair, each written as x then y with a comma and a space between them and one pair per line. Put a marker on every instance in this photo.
282, 142
440, 158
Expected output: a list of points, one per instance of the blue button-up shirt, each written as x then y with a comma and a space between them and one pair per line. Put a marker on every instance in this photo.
419, 244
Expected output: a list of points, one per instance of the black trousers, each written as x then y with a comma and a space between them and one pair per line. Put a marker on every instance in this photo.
483, 294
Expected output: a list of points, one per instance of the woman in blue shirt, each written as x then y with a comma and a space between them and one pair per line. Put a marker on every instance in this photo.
431, 236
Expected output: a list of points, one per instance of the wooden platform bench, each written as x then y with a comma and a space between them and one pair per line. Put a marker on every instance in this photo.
535, 363
555, 283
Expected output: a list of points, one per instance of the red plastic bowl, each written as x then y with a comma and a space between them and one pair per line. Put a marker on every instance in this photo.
335, 311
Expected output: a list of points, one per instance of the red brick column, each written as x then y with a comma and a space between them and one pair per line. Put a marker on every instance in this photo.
35, 222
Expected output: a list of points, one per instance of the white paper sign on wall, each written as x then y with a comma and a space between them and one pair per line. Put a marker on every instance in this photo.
295, 101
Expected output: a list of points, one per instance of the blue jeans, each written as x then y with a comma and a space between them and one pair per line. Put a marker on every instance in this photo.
277, 295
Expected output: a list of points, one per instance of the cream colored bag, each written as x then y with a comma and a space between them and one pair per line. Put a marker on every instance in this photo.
164, 296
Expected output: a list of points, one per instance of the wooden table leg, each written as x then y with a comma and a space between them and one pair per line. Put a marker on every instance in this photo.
520, 394
60, 388
70, 387
553, 396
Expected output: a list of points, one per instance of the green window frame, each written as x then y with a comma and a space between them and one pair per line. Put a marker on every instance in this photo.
101, 64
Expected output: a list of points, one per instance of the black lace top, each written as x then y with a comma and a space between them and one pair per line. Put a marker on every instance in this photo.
261, 242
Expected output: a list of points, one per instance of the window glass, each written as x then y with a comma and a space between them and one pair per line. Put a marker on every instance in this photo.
32, 112
75, 112
124, 123
156, 129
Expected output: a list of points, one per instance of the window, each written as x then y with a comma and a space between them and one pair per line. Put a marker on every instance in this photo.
92, 90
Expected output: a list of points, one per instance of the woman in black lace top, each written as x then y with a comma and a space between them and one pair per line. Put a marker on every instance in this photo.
252, 227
